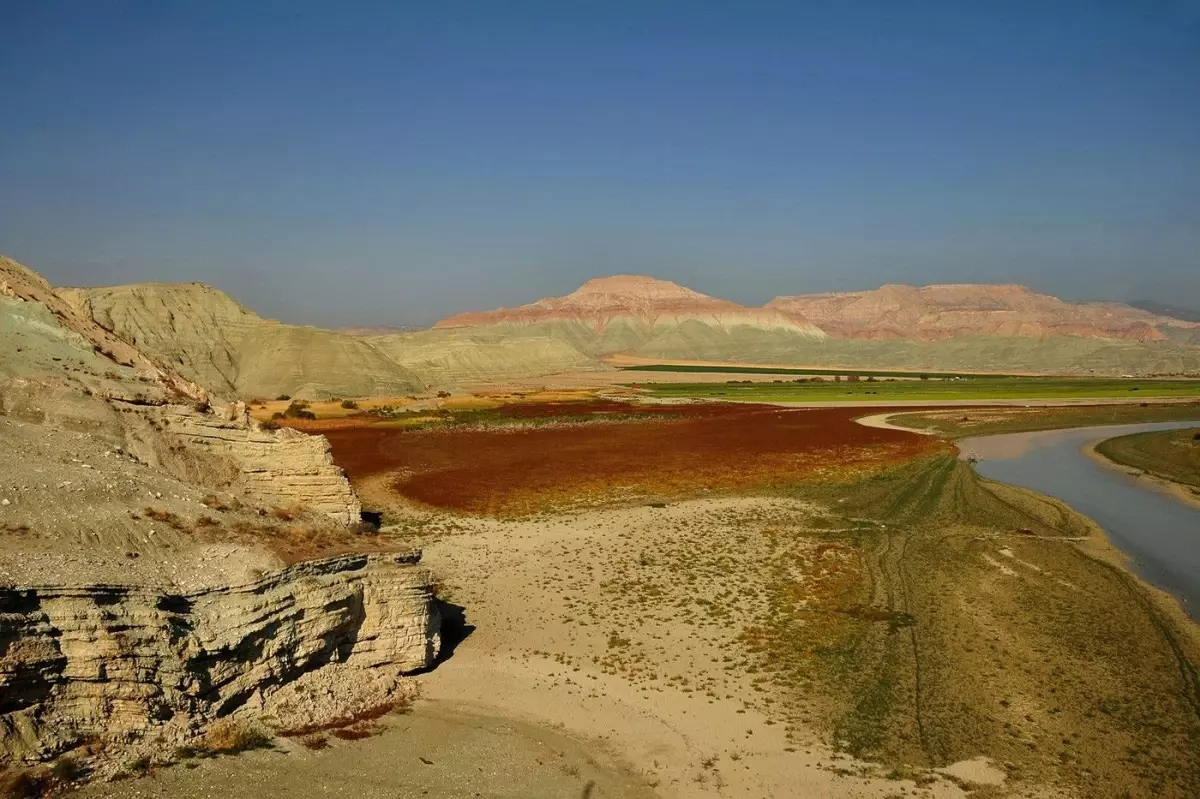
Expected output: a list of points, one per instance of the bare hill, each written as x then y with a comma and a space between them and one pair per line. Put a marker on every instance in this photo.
967, 326
940, 312
629, 313
205, 334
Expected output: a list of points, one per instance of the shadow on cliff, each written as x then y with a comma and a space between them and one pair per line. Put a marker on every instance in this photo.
455, 629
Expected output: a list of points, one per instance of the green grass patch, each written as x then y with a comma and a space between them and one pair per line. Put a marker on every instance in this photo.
780, 370
946, 389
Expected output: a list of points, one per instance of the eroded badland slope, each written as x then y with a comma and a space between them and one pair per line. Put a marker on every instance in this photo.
167, 563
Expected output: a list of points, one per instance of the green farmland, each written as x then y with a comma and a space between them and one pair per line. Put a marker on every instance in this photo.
967, 388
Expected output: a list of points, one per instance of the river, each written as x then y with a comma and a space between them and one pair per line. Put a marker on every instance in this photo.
1160, 532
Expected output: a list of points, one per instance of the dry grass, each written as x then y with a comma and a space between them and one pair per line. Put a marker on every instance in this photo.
314, 743
25, 783
229, 737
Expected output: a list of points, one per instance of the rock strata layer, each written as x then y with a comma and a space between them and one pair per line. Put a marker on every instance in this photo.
118, 663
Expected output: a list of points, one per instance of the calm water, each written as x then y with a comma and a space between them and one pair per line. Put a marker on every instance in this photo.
1161, 533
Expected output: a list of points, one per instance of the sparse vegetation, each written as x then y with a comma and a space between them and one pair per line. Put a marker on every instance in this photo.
943, 388
229, 737
1169, 454
995, 420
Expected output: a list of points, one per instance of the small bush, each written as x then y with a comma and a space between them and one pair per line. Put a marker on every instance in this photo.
66, 769
207, 521
349, 405
357, 732
443, 394
139, 765
269, 424
314, 742
230, 737
165, 516
214, 502
299, 410
24, 783
283, 398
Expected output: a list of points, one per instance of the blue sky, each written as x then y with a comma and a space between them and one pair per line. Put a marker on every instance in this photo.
391, 163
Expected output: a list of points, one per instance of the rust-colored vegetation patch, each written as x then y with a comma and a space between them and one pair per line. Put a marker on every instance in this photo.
642, 451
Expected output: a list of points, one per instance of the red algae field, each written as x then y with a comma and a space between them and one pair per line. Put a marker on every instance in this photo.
558, 455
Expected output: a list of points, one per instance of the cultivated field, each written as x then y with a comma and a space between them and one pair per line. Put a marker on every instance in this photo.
526, 458
944, 389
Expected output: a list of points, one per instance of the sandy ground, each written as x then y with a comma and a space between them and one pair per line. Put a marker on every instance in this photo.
543, 623
442, 749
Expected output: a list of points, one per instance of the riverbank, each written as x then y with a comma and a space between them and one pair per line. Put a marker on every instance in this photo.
1168, 459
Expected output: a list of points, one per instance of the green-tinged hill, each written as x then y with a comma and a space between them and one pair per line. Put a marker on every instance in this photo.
206, 335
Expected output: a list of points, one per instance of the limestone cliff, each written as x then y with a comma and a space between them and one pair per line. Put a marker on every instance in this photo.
167, 561
124, 662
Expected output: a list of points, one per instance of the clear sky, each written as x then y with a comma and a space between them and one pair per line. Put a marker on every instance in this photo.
390, 163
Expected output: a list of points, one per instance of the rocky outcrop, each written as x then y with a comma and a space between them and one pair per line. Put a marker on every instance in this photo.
940, 312
215, 446
274, 468
119, 663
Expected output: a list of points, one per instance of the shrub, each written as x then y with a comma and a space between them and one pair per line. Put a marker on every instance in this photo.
66, 769
299, 410
349, 405
23, 783
229, 737
283, 398
443, 394
269, 424
165, 516
216, 503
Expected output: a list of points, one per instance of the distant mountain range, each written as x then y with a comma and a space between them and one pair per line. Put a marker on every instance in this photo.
206, 336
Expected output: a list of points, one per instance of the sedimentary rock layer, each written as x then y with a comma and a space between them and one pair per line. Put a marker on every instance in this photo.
119, 662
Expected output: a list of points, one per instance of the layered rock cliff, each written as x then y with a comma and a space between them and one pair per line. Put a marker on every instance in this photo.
122, 662
167, 561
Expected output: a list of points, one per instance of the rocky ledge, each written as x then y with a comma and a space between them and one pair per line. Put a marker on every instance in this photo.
120, 664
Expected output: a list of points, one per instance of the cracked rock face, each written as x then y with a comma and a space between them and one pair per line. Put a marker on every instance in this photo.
111, 662
146, 529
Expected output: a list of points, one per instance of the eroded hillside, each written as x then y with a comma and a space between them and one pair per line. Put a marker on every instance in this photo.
168, 562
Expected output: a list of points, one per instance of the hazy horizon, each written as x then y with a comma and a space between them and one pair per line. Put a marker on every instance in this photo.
390, 164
